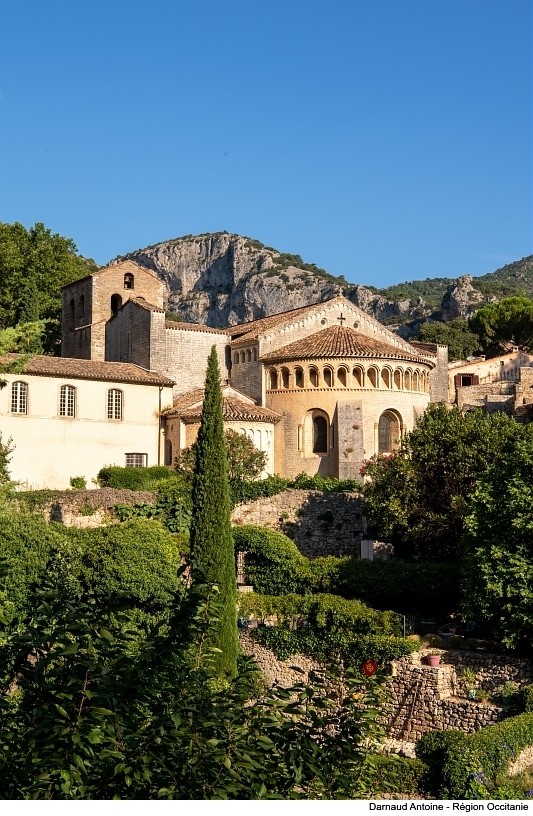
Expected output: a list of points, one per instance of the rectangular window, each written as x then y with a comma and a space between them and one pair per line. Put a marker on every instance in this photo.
136, 460
67, 401
19, 398
114, 404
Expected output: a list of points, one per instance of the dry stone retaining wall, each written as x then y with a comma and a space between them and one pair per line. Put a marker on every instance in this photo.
91, 508
422, 698
319, 523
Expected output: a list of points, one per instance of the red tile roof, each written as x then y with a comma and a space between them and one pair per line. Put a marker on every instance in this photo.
252, 329
235, 406
71, 368
341, 341
183, 326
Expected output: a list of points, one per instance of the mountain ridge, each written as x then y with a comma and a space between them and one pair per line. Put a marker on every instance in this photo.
222, 278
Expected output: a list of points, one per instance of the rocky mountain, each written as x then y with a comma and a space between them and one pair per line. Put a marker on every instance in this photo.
221, 279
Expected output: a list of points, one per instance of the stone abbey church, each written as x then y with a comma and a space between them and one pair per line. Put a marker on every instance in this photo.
319, 389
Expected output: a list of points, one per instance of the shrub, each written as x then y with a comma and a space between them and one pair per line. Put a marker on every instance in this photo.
245, 491
78, 483
133, 478
137, 560
273, 563
326, 627
525, 699
325, 483
389, 584
472, 766
397, 774
28, 543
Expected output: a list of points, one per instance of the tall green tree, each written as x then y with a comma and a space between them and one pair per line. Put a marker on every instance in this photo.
456, 334
419, 498
34, 265
499, 545
510, 320
212, 551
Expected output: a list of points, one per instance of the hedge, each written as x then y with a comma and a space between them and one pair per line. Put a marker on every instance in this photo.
396, 774
390, 584
138, 560
275, 566
273, 563
472, 766
134, 478
326, 627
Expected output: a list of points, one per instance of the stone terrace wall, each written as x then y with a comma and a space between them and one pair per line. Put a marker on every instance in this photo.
425, 698
422, 698
319, 523
91, 508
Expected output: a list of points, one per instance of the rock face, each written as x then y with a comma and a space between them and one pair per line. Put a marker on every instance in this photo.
220, 279
460, 300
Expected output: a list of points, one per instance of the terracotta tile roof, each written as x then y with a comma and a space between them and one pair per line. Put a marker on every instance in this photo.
183, 326
427, 348
74, 369
140, 301
235, 406
250, 330
340, 341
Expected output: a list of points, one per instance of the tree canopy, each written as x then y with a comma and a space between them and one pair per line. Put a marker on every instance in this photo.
462, 342
499, 544
34, 265
419, 497
509, 321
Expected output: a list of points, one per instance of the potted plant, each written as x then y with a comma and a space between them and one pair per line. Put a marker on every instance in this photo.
469, 679
434, 659
508, 693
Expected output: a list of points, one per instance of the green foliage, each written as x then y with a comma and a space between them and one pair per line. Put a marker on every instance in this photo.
273, 563
246, 491
134, 478
34, 265
456, 334
390, 584
525, 699
474, 766
326, 627
510, 320
94, 720
78, 483
6, 450
499, 575
137, 560
395, 774
28, 543
418, 498
275, 566
211, 541
172, 506
327, 484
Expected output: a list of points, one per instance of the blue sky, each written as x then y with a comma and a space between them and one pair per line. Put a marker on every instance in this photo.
382, 140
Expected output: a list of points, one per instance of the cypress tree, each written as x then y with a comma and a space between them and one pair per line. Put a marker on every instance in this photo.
212, 551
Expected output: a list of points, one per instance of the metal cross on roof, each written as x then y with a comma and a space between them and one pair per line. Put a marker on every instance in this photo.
341, 318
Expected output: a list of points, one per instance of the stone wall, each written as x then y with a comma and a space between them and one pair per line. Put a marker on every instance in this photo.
421, 698
319, 523
91, 508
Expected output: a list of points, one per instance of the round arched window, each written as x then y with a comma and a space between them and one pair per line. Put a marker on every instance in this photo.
320, 434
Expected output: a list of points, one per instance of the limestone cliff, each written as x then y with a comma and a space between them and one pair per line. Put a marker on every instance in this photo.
221, 279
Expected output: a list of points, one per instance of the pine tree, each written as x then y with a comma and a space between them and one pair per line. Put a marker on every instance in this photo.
212, 551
